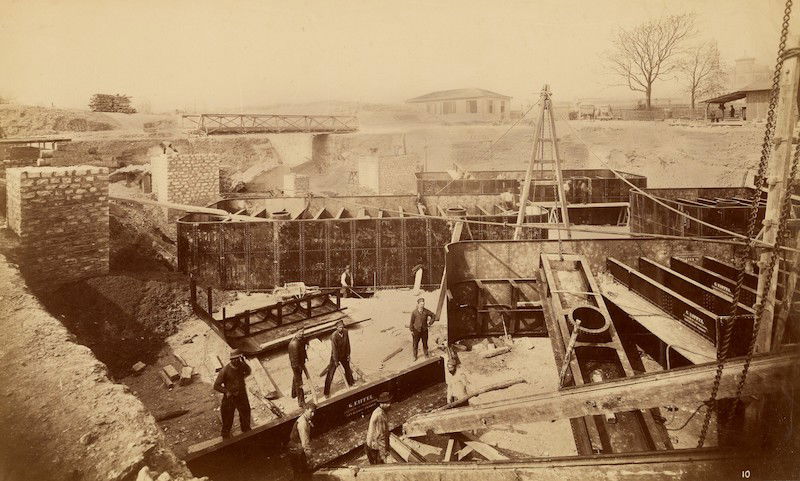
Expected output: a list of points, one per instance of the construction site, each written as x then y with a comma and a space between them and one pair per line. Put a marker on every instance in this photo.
598, 294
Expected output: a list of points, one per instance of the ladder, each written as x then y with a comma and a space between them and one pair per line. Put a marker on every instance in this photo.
545, 164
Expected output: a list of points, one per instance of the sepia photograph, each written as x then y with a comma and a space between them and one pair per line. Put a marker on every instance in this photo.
399, 240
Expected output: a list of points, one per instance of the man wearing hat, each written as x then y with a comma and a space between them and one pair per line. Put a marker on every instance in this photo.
421, 319
299, 445
340, 354
297, 359
377, 444
230, 382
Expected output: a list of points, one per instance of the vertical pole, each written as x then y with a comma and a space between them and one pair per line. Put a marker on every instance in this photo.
559, 177
192, 292
526, 187
209, 296
777, 177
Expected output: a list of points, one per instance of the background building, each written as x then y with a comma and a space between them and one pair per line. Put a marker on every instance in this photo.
465, 104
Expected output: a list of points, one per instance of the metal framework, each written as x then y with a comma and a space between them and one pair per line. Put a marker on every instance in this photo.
210, 124
253, 322
694, 304
593, 357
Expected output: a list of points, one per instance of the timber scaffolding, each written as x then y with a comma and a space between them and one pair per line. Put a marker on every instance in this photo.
610, 396
312, 239
214, 124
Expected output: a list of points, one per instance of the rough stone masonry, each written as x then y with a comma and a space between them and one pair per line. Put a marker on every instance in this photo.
61, 217
186, 178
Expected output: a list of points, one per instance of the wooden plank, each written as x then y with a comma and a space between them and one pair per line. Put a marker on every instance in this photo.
404, 450
708, 463
454, 237
263, 380
486, 451
489, 388
779, 169
464, 452
683, 386
422, 449
448, 453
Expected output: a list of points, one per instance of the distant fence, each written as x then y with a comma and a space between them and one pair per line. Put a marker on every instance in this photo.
660, 113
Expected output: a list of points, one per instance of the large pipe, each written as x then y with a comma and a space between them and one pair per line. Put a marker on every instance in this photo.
189, 208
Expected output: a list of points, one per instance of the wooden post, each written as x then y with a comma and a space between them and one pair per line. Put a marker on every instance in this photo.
526, 187
559, 177
454, 237
209, 294
788, 294
777, 176
193, 292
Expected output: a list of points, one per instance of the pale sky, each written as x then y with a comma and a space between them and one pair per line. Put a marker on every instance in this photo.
223, 54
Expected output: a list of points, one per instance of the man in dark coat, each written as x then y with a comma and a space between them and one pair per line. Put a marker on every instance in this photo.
299, 445
340, 354
230, 382
421, 318
297, 359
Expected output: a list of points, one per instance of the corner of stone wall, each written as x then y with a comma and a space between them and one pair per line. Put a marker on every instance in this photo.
60, 215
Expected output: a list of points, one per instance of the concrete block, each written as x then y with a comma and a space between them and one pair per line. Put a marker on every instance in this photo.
186, 375
139, 366
171, 372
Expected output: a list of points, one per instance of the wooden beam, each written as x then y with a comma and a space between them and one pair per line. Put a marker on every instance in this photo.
789, 291
526, 187
489, 388
403, 450
454, 237
708, 463
777, 174
448, 453
685, 386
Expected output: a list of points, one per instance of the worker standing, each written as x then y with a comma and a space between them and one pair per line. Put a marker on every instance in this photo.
377, 444
299, 445
346, 282
297, 359
421, 319
231, 383
340, 354
456, 381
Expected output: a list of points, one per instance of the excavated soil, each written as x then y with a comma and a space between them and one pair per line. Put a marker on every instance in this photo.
61, 418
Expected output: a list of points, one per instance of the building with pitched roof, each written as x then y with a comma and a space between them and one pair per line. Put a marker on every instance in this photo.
755, 105
465, 104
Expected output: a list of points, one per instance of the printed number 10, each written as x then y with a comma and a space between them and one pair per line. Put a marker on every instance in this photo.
746, 474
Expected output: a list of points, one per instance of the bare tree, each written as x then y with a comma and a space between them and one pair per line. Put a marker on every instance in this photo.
650, 51
703, 70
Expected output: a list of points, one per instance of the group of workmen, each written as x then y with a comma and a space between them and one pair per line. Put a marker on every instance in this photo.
231, 383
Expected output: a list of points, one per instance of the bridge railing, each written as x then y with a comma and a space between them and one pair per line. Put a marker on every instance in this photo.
210, 124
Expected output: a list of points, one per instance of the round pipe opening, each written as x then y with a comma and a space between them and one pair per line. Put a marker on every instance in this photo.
456, 211
592, 319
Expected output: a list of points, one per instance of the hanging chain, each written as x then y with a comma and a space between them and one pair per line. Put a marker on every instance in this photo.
726, 324
773, 260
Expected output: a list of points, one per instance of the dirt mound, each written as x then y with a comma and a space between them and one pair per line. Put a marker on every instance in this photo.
122, 318
25, 120
61, 418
